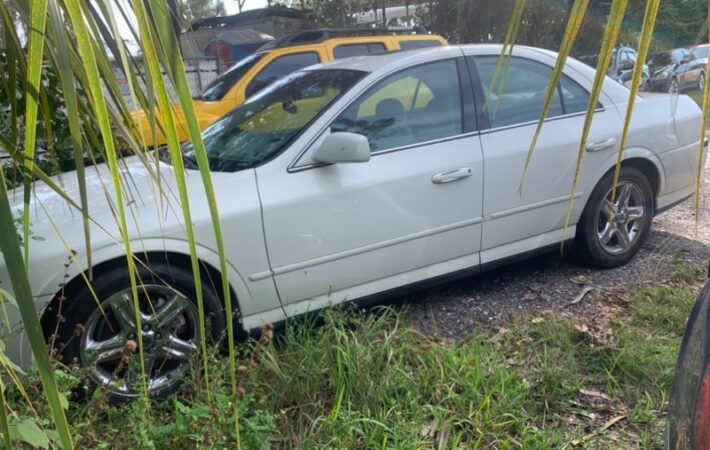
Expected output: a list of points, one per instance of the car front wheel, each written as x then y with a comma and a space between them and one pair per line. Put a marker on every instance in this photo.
613, 228
104, 339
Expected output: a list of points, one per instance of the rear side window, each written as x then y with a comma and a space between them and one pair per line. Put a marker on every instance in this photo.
523, 92
348, 50
280, 67
574, 97
408, 45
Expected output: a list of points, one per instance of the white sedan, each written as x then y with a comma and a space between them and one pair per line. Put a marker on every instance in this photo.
351, 179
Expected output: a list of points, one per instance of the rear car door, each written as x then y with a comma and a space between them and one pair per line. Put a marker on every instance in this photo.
517, 222
413, 212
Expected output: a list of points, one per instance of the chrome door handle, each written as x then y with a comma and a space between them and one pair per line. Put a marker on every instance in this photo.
451, 175
598, 146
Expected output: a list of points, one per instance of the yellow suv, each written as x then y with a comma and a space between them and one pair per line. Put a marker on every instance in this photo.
279, 58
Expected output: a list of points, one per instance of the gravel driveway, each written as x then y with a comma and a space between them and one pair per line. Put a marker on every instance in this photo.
551, 282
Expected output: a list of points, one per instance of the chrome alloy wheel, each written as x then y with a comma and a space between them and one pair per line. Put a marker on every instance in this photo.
110, 347
621, 223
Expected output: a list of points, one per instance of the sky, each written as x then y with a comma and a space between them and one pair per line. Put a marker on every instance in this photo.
232, 7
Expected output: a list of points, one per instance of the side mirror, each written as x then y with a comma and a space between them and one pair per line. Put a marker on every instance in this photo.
343, 147
626, 65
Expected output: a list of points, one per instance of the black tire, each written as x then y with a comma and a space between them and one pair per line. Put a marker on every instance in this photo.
588, 243
82, 309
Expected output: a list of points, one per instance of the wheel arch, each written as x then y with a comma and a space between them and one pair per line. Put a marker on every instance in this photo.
641, 159
73, 280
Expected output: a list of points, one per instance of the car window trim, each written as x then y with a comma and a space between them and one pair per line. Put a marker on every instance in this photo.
294, 167
480, 98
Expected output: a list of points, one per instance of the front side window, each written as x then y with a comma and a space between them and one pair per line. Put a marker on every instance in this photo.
267, 123
279, 68
413, 106
348, 50
218, 88
519, 96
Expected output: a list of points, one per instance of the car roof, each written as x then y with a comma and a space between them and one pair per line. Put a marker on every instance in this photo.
384, 61
325, 35
375, 62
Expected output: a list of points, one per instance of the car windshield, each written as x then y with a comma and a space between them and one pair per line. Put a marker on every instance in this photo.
701, 52
269, 121
218, 88
661, 59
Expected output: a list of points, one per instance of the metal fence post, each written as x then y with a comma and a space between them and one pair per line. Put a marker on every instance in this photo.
199, 74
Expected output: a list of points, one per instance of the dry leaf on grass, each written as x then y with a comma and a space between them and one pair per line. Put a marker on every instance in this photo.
583, 293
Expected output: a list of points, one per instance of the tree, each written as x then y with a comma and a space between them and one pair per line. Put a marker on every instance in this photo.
335, 12
197, 9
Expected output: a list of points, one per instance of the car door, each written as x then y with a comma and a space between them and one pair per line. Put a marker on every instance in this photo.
521, 220
343, 231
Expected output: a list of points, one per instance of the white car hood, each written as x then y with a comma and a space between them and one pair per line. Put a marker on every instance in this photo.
141, 188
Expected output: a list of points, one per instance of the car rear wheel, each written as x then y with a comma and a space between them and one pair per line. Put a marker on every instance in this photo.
613, 229
104, 340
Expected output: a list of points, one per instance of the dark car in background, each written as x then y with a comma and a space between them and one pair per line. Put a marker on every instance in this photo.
701, 52
621, 68
676, 71
689, 407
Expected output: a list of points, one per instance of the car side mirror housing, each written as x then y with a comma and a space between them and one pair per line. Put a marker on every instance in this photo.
626, 65
343, 147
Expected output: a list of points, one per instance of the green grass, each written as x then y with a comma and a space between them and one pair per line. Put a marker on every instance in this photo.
368, 379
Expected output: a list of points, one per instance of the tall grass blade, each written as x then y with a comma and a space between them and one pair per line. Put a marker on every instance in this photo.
701, 150
574, 24
38, 20
611, 35
182, 87
66, 76
12, 253
4, 426
649, 23
508, 43
151, 45
98, 101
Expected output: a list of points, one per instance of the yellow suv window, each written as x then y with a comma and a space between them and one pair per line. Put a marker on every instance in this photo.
411, 92
280, 67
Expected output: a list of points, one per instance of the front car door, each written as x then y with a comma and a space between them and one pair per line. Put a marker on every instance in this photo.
413, 212
518, 222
